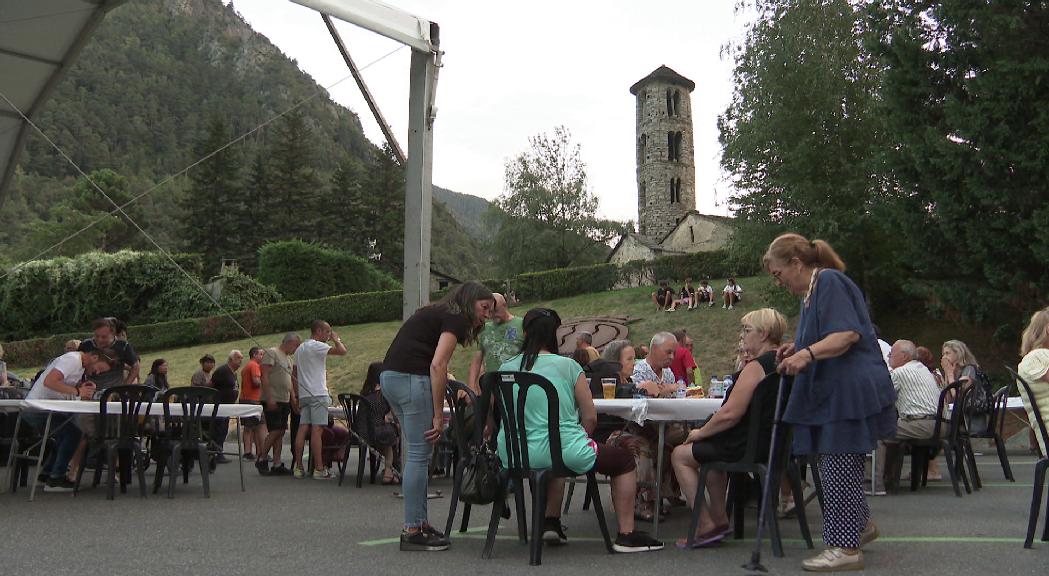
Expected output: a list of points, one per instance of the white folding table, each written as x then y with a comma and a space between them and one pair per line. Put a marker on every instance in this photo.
237, 411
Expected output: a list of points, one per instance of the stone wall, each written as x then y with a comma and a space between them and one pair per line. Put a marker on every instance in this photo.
629, 250
699, 234
657, 215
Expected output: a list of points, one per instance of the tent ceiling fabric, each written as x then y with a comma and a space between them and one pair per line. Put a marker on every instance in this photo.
39, 41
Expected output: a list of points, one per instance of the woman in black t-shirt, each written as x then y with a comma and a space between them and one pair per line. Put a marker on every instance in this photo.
414, 379
724, 436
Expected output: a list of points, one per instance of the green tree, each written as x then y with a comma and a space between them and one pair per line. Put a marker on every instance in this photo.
382, 211
967, 86
293, 181
546, 215
212, 207
802, 137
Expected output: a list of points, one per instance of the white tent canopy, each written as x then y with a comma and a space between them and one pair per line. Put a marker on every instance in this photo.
40, 40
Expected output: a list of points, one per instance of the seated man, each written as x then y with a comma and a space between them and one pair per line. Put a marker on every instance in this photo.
705, 293
63, 380
663, 296
917, 396
732, 293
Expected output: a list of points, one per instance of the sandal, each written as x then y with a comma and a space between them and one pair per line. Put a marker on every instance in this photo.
706, 539
392, 479
643, 512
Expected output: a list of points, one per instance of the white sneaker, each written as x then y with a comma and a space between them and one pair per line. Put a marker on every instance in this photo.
724, 306
711, 305
324, 474
730, 306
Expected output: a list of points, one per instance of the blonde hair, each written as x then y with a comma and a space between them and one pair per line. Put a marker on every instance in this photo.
965, 356
2, 356
816, 253
767, 321
1035, 336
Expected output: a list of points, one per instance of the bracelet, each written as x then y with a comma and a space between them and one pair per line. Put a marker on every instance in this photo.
811, 354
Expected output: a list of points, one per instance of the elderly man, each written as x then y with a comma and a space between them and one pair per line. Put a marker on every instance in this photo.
585, 341
277, 402
653, 374
225, 381
501, 338
917, 396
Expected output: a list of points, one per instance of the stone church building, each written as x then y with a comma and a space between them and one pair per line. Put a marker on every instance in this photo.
667, 222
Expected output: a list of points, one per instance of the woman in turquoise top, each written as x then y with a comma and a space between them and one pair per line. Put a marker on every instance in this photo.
577, 419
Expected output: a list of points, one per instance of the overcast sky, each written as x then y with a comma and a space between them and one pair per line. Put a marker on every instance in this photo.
514, 69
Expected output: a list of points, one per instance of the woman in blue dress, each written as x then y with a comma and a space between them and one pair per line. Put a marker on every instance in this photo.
842, 401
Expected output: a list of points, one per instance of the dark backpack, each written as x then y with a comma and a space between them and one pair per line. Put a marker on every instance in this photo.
981, 397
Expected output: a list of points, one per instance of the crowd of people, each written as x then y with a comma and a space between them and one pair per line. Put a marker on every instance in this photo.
852, 394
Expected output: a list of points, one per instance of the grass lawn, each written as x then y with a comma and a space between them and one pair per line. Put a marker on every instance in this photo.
714, 330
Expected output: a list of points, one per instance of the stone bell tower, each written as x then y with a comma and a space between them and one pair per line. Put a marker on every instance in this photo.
666, 167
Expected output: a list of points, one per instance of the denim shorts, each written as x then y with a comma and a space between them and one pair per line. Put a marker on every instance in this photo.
314, 410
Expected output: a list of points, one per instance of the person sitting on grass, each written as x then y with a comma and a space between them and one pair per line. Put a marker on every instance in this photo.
578, 417
732, 294
663, 296
724, 437
705, 293
687, 295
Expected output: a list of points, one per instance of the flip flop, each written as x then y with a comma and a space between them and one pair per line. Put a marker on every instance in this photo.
705, 540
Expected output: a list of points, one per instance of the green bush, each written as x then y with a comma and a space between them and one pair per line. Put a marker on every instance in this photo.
565, 282
183, 299
281, 317
699, 266
300, 271
65, 294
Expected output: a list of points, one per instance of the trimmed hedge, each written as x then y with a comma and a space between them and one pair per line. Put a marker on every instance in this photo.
698, 266
285, 316
565, 282
67, 293
300, 271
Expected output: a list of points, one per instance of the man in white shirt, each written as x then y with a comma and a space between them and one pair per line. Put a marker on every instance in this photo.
63, 379
917, 396
653, 374
311, 388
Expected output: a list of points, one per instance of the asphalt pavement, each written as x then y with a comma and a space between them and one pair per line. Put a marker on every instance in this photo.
285, 526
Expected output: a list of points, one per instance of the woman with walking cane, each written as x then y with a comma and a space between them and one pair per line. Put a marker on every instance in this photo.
842, 401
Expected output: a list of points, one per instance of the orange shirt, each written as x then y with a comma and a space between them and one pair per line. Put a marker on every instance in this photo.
248, 389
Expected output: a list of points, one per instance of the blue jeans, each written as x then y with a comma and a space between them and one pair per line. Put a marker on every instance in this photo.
66, 436
410, 398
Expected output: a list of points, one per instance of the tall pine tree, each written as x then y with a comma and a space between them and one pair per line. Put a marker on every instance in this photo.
213, 205
294, 182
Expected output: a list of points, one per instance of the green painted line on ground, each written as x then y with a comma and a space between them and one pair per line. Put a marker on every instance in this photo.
985, 485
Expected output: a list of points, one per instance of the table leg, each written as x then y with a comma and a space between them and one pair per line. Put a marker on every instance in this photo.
11, 454
874, 473
240, 455
659, 479
40, 456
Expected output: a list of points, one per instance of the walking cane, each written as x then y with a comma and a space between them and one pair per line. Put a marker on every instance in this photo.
766, 491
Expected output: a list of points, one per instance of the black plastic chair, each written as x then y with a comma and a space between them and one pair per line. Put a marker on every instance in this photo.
183, 440
510, 404
362, 429
922, 450
464, 440
14, 435
994, 431
1040, 466
120, 434
755, 462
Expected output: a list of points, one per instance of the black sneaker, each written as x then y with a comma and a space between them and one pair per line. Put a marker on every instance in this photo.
281, 470
220, 458
59, 485
554, 532
636, 541
427, 540
248, 456
263, 466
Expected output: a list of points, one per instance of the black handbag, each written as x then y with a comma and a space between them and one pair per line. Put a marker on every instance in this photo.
480, 476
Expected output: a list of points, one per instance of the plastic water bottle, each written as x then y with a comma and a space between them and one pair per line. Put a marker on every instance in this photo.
680, 388
727, 384
715, 385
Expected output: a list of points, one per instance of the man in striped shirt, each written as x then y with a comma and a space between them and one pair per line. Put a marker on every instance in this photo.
916, 397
